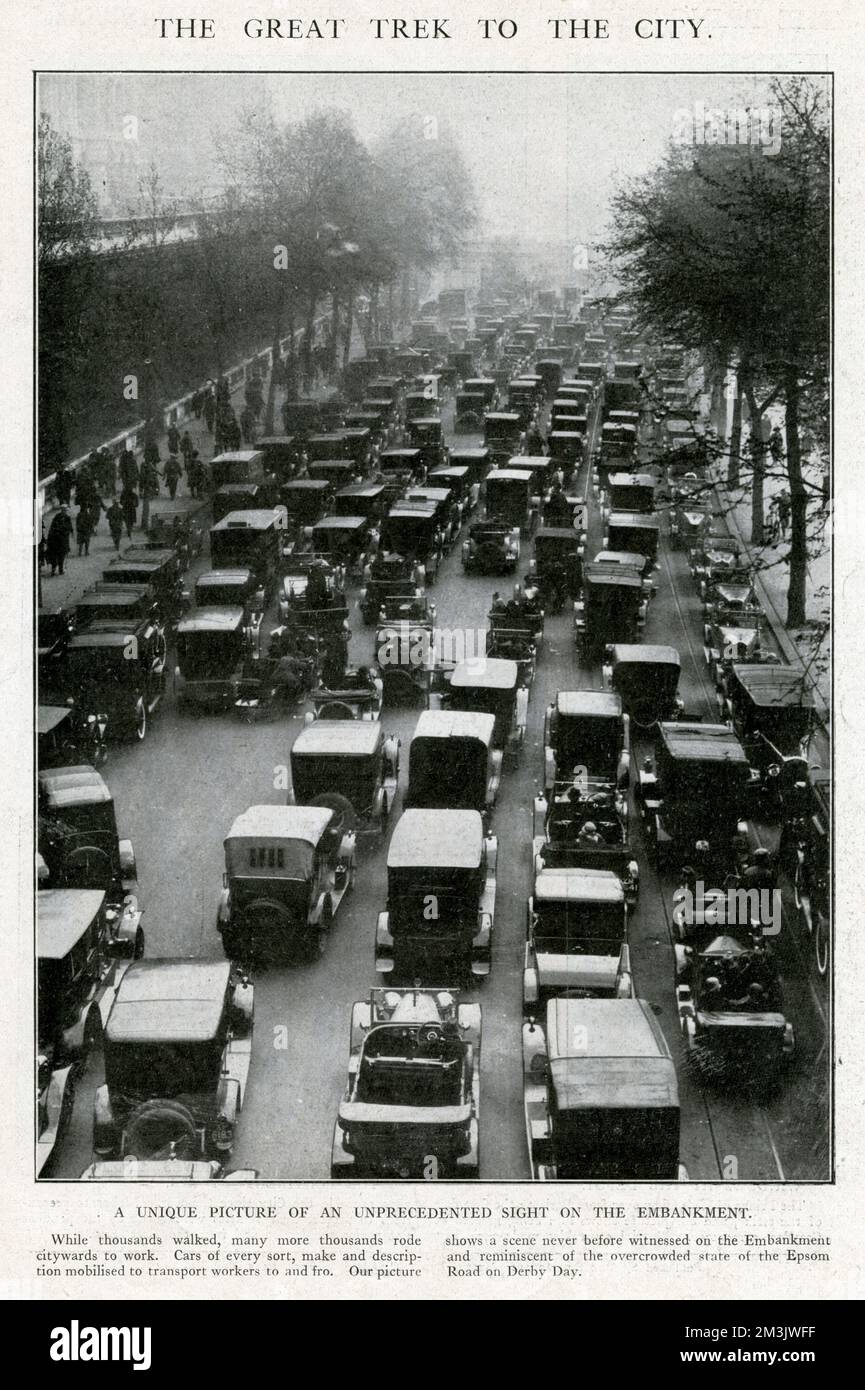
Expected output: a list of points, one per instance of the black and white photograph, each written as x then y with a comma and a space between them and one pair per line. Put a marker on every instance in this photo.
433, 611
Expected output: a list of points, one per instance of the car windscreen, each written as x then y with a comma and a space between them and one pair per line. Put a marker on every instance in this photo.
570, 925
431, 900
448, 773
409, 535
203, 655
164, 1069
610, 1143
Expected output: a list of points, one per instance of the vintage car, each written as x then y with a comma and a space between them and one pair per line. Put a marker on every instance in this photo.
294, 590
509, 498
160, 569
64, 736
514, 644
178, 1043
447, 513
357, 694
237, 466
629, 492
109, 603
361, 499
115, 673
306, 501
586, 741
212, 645
405, 645
441, 897
349, 766
697, 788
714, 559
771, 709
489, 685
576, 936
341, 540
483, 385
689, 523
77, 973
281, 455
469, 412
630, 560
413, 529
400, 465
557, 565
492, 547
387, 575
454, 763
337, 473
425, 434
616, 451
477, 461
567, 446
647, 679
520, 613
410, 1108
236, 588
178, 522
80, 848
730, 1004
503, 434
329, 446
613, 606
733, 633
583, 823
250, 540
633, 531
287, 869
244, 497
458, 481
600, 1093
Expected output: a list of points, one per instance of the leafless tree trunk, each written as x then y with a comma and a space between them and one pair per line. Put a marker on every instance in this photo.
796, 592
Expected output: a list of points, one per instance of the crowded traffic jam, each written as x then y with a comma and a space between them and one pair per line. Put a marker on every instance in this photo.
450, 716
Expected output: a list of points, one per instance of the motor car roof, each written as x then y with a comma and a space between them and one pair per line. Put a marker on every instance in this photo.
62, 917
434, 839
169, 1001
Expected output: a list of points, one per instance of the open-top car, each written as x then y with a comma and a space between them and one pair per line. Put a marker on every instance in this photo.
441, 876
585, 827
716, 558
358, 694
492, 547
411, 1104
178, 1044
77, 973
576, 936
405, 645
647, 679
387, 575
514, 644
287, 869
612, 608
600, 1094
348, 765
733, 633
454, 763
731, 600
629, 492
341, 540
771, 709
730, 1003
133, 1169
696, 789
489, 685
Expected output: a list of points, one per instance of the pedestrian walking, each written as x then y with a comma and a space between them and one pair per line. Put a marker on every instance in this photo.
195, 474
171, 474
247, 425
129, 508
83, 531
151, 450
209, 410
187, 448
128, 471
173, 439
197, 404
59, 540
114, 516
107, 473
63, 485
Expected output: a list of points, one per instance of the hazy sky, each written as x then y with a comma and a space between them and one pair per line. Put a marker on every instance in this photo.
545, 151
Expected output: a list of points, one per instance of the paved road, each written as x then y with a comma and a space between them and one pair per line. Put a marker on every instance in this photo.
176, 797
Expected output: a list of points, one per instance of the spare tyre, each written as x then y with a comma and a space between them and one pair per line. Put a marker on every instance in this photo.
345, 816
335, 709
160, 1129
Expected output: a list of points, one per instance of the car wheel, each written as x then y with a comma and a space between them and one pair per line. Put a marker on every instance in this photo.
344, 818
138, 948
92, 1033
140, 720
385, 812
